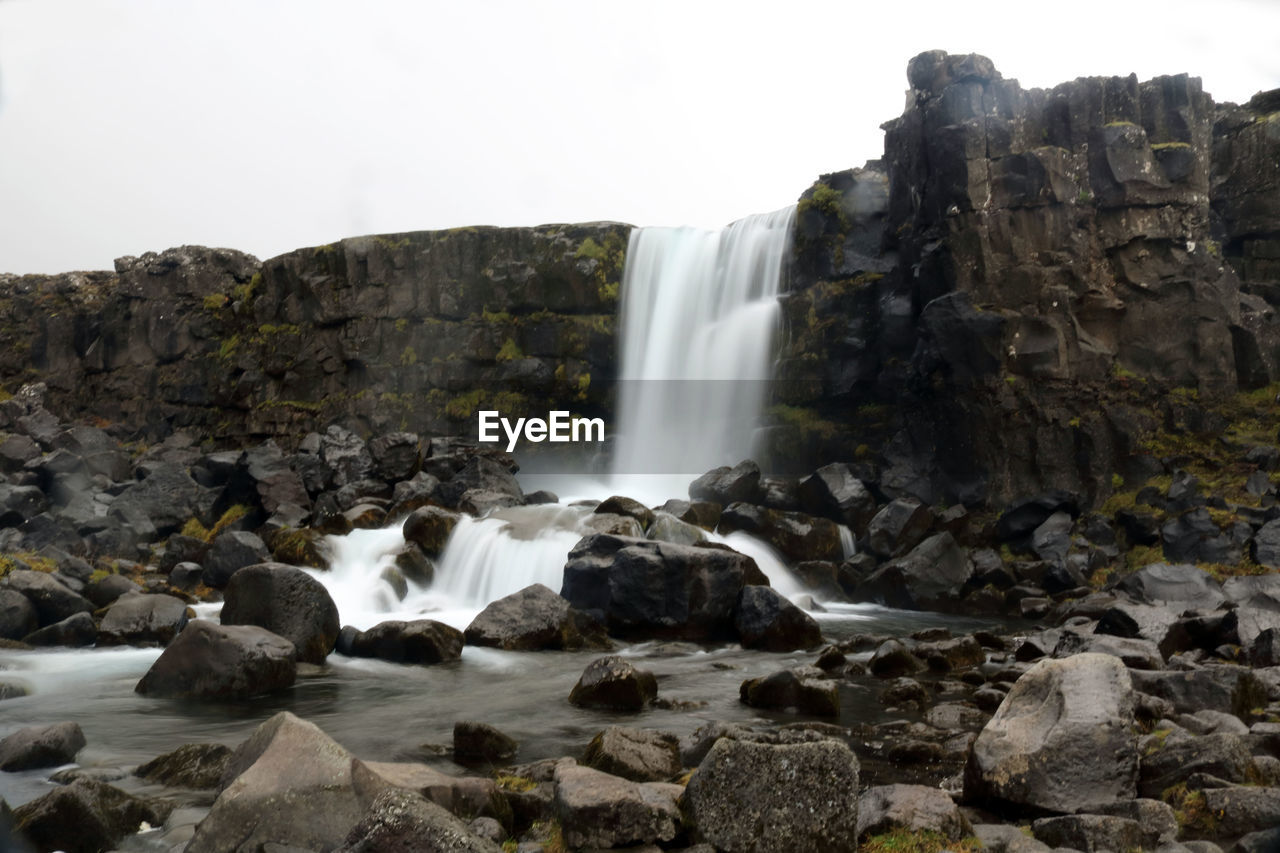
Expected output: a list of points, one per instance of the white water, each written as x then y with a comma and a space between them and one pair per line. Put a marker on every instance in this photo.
699, 315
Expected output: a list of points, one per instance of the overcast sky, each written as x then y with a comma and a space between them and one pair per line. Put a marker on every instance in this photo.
135, 125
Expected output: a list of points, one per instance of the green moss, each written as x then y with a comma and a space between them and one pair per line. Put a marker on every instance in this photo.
247, 292
583, 384
1165, 146
26, 559
328, 250
227, 350
214, 301
518, 784
1117, 482
195, 530
806, 423
826, 200
1192, 812
465, 405
510, 351
390, 244
919, 841
1143, 555
1119, 124
296, 405
589, 248
233, 514
408, 356
494, 316
608, 292
1084, 197
401, 324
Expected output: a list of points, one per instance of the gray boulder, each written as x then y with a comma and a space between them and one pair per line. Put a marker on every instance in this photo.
41, 746
1061, 741
835, 492
1244, 809
1181, 583
898, 527
429, 527
286, 601
53, 601
422, 641
801, 690
75, 630
795, 535
535, 618
406, 822
208, 661
760, 798
636, 754
142, 620
725, 485
1089, 832
1230, 689
230, 553
194, 765
883, 808
86, 816
613, 683
600, 810
930, 577
18, 616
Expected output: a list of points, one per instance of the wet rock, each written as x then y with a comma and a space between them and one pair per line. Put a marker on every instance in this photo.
208, 661
20, 503
186, 576
618, 505
1062, 740
289, 783
883, 808
77, 630
194, 765
803, 690
406, 822
906, 692
53, 601
286, 601
230, 553
612, 683
535, 618
640, 588
797, 536
667, 528
18, 615
41, 746
615, 525
835, 492
948, 655
1089, 832
725, 485
765, 620
898, 527
892, 659
760, 797
930, 577
429, 528
636, 754
481, 742
600, 810
86, 816
423, 641
465, 796
142, 620
490, 483
1052, 539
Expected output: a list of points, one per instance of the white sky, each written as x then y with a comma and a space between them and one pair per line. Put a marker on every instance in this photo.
266, 125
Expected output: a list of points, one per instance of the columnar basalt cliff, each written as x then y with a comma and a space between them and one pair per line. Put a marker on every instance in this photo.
409, 331
1027, 284
1031, 280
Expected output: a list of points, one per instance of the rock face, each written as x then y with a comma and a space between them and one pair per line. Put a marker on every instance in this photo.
1061, 741
535, 618
760, 798
643, 588
208, 661
287, 602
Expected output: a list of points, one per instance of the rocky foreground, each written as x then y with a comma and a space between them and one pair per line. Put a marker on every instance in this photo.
1138, 706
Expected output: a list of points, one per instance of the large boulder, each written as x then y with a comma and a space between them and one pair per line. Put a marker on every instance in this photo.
884, 808
474, 741
208, 661
288, 784
535, 618
898, 527
53, 601
194, 765
86, 816
1229, 689
795, 535
142, 620
835, 492
286, 601
1178, 583
75, 630
765, 620
167, 496
802, 690
600, 810
420, 641
641, 588
725, 485
41, 746
929, 577
1061, 741
761, 798
429, 527
613, 683
481, 481
636, 754
18, 616
406, 822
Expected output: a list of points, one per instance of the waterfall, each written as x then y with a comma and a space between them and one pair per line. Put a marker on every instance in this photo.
699, 314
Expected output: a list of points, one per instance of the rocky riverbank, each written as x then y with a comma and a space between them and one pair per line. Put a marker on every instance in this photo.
1137, 706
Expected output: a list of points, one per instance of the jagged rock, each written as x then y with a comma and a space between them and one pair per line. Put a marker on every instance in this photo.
482, 477
142, 620
612, 683
76, 630
1062, 740
346, 454
396, 455
600, 810
186, 576
930, 577
18, 616
193, 765
765, 620
20, 503
898, 527
1052, 539
535, 618
882, 808
1021, 518
429, 527
797, 536
1165, 764
167, 496
636, 754
41, 746
1157, 819
286, 601
803, 690
760, 797
725, 485
835, 492
406, 822
1136, 653
422, 641
893, 659
1162, 583
1230, 689
481, 742
1089, 832
1244, 809
1266, 545
221, 662
641, 588
86, 816
53, 601
230, 553
667, 528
